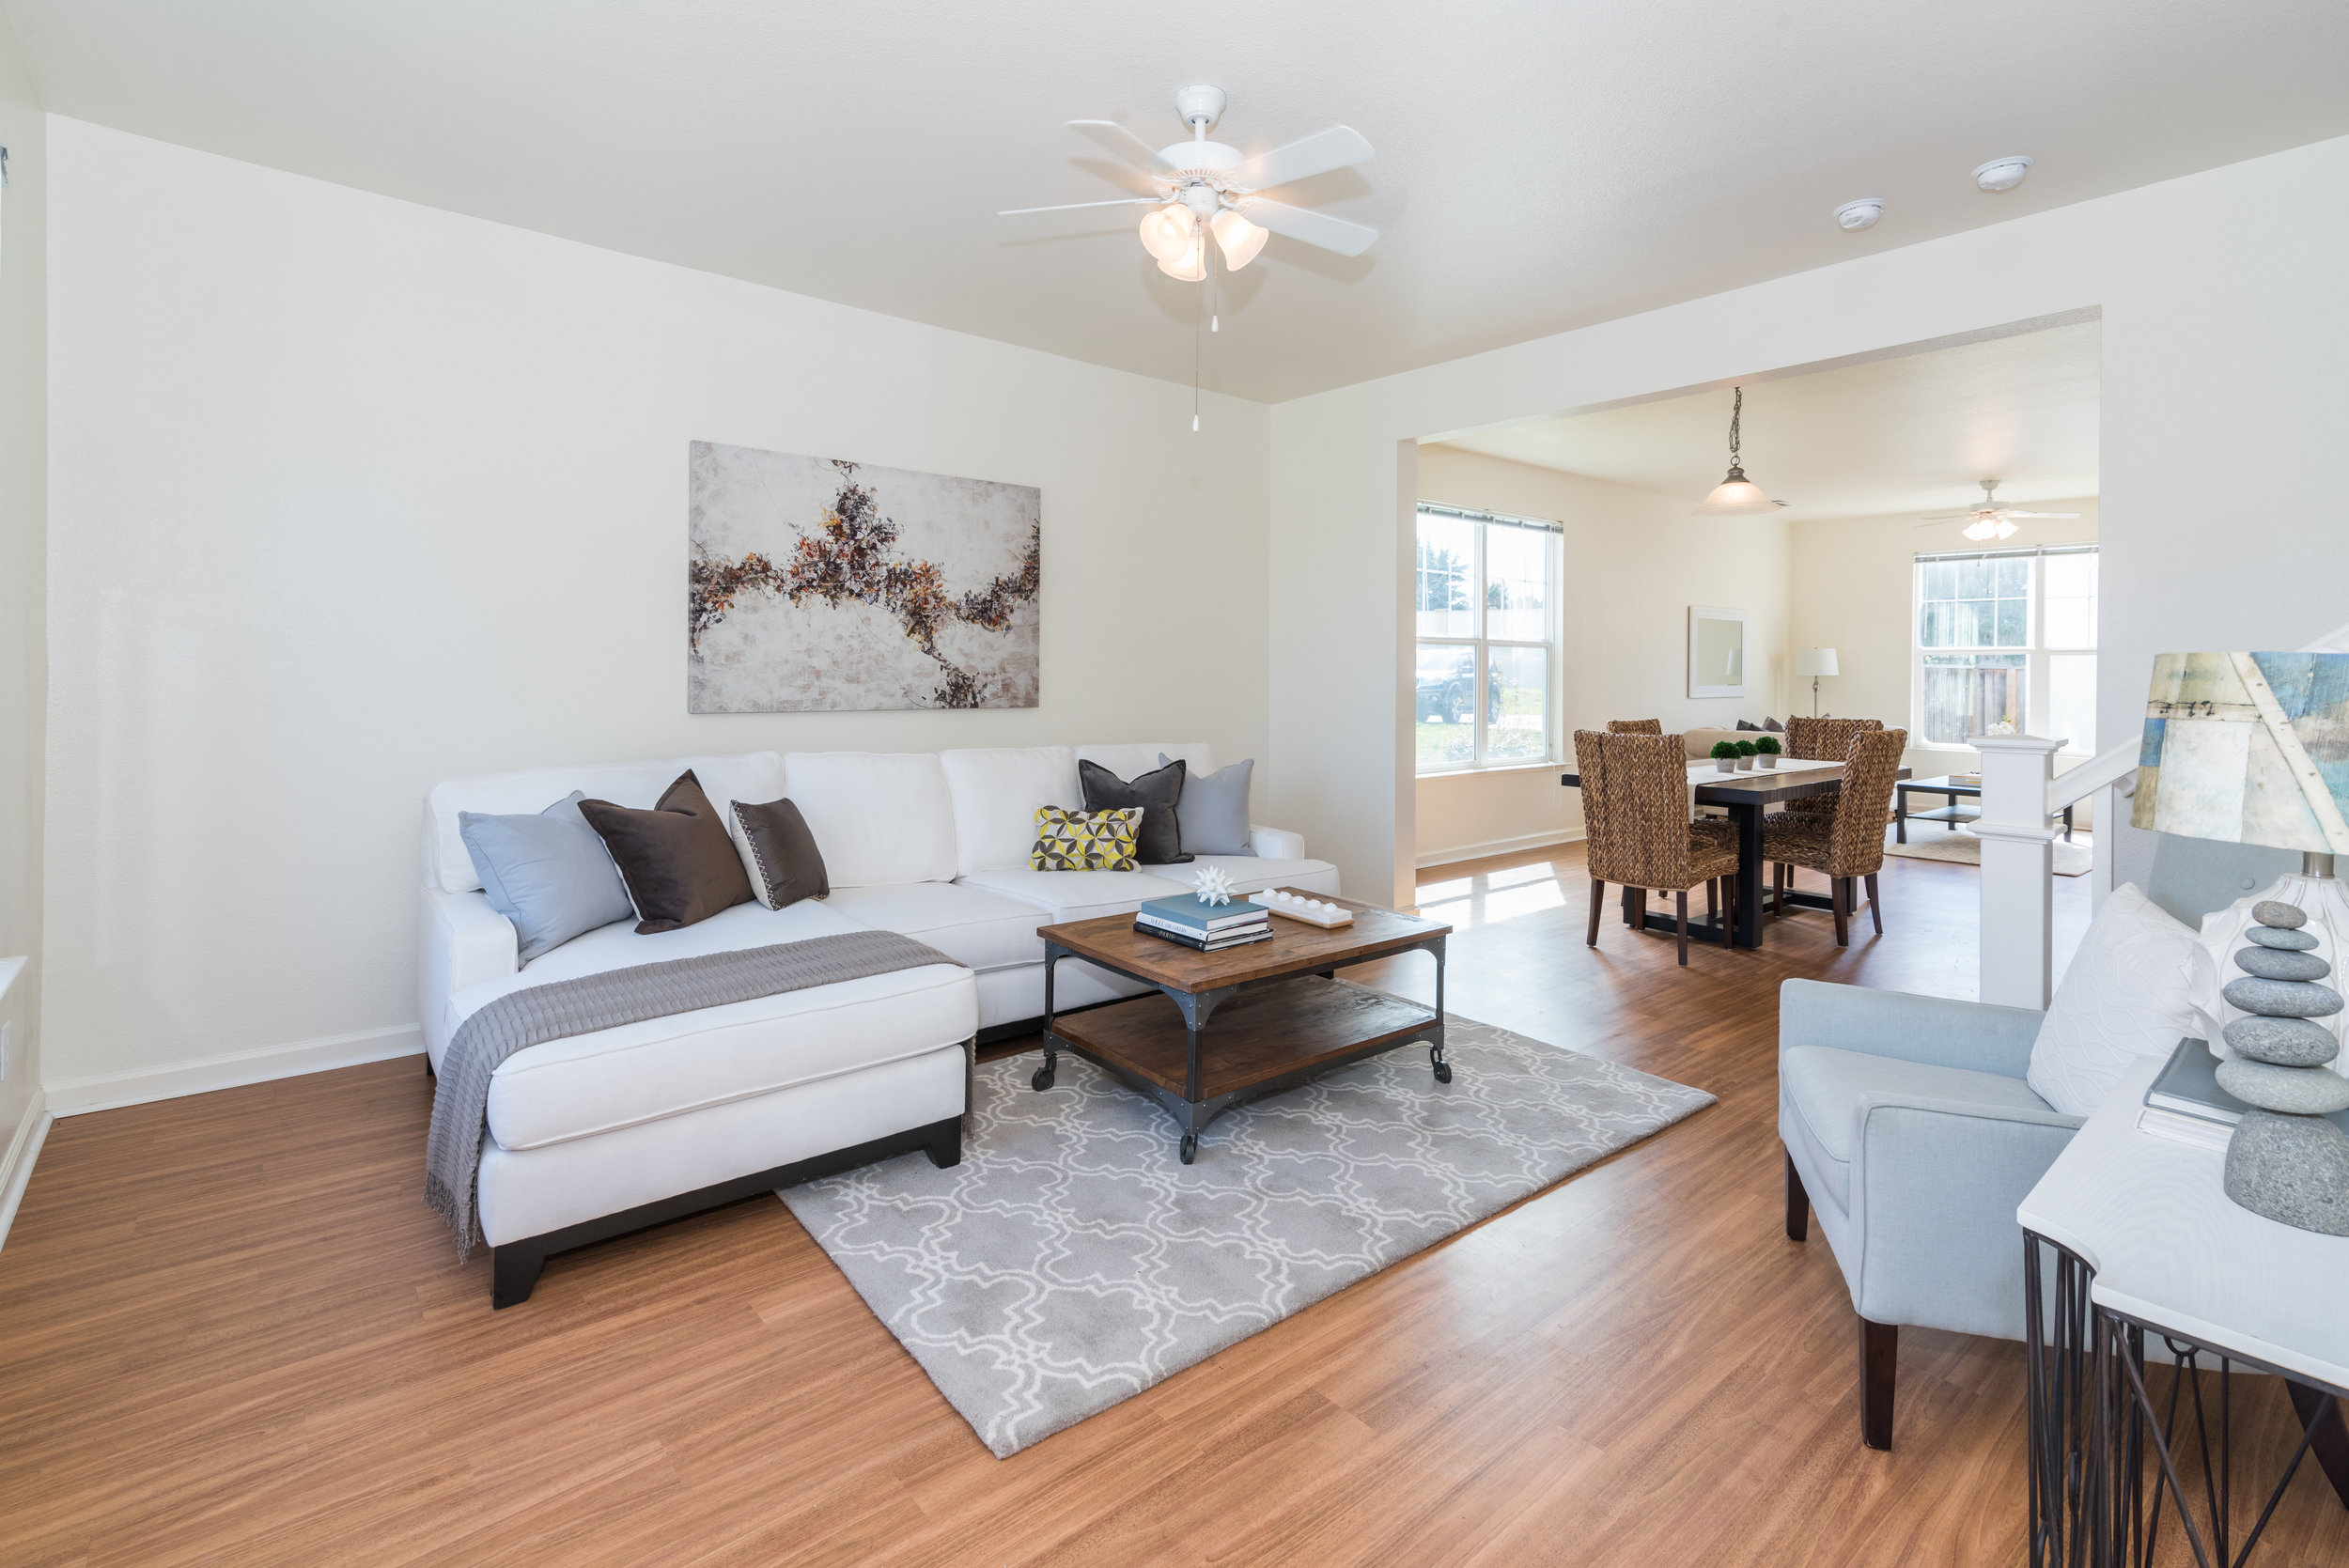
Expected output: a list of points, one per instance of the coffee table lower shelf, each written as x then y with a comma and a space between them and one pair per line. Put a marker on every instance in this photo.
1262, 1039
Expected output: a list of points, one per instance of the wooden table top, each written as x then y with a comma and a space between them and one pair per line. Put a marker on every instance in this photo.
1296, 948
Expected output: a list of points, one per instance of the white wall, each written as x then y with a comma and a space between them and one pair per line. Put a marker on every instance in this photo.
349, 495
1634, 564
1854, 590
24, 521
2223, 376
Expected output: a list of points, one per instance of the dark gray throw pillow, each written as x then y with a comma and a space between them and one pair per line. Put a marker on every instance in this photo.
677, 860
1160, 841
786, 865
549, 874
1214, 810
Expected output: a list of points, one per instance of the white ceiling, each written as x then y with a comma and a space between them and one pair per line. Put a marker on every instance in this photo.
1914, 433
1541, 165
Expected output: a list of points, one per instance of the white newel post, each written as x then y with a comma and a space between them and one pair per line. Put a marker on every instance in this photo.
2018, 868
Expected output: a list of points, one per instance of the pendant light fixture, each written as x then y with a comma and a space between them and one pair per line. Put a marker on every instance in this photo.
1736, 496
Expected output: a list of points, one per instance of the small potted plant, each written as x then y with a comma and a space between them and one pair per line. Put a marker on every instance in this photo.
1767, 748
1745, 755
1725, 756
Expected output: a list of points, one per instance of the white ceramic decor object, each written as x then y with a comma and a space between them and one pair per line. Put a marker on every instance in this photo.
1313, 912
2211, 964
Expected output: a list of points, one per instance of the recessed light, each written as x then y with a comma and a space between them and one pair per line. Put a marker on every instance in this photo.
1863, 213
2002, 174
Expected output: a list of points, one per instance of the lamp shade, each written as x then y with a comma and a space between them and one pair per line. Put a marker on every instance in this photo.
1735, 497
1816, 662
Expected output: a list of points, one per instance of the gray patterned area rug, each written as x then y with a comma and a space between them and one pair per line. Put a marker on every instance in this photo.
1072, 1260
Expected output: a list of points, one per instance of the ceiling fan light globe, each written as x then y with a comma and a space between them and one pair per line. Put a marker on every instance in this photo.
1169, 233
1981, 528
1238, 239
2008, 528
1191, 265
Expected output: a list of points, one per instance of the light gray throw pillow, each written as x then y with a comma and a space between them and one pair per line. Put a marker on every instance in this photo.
549, 874
1212, 810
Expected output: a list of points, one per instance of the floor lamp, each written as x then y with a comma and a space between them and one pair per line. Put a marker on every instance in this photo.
1816, 662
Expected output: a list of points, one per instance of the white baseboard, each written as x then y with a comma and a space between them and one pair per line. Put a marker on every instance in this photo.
16, 1161
1495, 847
106, 1091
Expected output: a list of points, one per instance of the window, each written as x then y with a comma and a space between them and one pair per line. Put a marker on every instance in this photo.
1484, 687
2006, 642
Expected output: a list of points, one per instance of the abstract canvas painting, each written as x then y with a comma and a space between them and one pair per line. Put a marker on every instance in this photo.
821, 585
2248, 748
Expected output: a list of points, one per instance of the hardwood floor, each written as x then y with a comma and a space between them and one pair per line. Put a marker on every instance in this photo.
231, 1332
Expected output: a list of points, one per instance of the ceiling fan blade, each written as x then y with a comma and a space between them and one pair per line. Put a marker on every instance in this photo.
1314, 228
1942, 516
1072, 205
2011, 512
1123, 144
1335, 148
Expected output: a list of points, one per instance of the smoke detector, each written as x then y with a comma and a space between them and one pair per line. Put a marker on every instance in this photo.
1863, 213
2002, 174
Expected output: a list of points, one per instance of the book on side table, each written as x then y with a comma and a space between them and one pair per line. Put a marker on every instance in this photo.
2186, 1103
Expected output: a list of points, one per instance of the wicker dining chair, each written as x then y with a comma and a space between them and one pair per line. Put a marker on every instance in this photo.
1822, 740
1846, 844
1637, 831
1635, 726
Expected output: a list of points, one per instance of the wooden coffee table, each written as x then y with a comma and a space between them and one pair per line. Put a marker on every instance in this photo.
1281, 1014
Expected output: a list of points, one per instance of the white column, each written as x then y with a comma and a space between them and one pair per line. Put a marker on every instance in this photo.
2018, 868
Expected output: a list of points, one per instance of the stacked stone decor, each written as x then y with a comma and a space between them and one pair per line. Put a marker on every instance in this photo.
2286, 1160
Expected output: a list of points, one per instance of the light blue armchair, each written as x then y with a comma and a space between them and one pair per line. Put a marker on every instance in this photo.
1911, 1135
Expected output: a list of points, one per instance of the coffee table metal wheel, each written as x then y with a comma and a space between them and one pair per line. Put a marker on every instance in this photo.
1043, 1078
1191, 1147
1444, 1068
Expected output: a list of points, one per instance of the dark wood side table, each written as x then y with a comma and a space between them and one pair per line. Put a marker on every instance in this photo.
1281, 1014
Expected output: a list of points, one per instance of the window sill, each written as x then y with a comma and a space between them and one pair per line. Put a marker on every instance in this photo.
1473, 773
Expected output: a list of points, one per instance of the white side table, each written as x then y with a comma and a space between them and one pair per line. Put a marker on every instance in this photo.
2145, 1240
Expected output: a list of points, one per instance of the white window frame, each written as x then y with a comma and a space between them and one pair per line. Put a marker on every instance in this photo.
2037, 656
1554, 565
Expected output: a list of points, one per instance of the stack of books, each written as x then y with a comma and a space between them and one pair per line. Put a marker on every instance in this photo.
1208, 928
2185, 1102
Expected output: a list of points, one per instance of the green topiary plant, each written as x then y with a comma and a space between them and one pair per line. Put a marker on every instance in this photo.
1747, 748
1768, 745
1724, 748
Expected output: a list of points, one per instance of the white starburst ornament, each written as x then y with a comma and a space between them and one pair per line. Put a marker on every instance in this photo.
1214, 884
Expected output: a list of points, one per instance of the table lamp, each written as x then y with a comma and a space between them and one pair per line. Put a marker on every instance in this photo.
2253, 748
1816, 662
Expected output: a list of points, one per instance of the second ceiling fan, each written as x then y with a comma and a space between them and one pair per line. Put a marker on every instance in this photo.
1990, 520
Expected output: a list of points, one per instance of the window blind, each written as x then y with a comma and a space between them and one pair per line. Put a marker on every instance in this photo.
2006, 554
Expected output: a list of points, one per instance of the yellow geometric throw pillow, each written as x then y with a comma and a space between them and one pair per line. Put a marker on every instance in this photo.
1085, 840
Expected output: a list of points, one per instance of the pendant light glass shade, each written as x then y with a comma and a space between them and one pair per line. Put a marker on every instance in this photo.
1169, 233
1191, 264
1239, 238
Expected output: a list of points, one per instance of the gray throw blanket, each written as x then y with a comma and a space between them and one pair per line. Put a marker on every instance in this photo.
519, 1020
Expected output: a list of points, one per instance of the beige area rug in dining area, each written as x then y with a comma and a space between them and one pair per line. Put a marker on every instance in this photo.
1930, 841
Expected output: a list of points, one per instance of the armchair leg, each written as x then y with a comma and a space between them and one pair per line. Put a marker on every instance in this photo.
1598, 898
1797, 1204
1879, 1361
1874, 913
1680, 905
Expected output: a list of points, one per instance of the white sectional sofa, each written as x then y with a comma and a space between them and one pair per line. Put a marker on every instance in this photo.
599, 1134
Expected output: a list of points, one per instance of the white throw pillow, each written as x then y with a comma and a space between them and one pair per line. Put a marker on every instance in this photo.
2125, 997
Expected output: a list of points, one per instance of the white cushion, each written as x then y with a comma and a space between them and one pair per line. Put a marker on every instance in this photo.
749, 776
2125, 996
1130, 762
1067, 895
1255, 873
616, 1077
879, 817
996, 792
983, 929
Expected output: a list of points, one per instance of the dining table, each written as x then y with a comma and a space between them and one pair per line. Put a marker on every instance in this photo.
1746, 796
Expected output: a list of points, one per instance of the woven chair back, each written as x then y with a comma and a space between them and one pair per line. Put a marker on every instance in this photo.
1643, 808
1824, 739
1856, 840
1635, 726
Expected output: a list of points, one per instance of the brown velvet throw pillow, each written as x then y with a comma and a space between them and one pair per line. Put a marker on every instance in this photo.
676, 859
789, 866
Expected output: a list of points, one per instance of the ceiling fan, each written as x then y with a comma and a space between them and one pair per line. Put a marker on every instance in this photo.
1991, 520
1199, 189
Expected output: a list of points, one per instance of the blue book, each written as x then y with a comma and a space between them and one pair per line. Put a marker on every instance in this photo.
1193, 915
